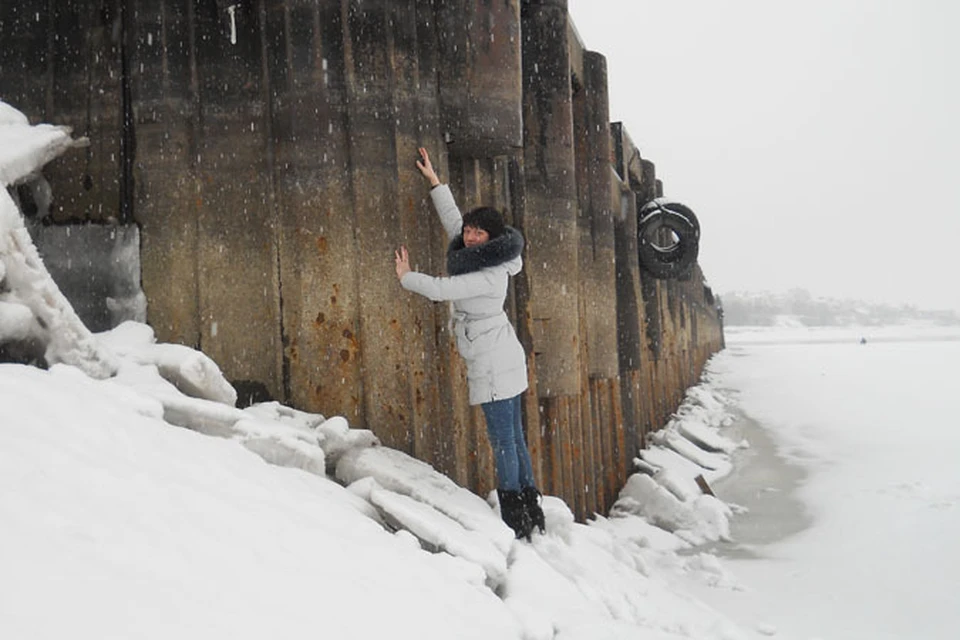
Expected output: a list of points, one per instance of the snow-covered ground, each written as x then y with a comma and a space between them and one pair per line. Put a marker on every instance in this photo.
873, 432
117, 524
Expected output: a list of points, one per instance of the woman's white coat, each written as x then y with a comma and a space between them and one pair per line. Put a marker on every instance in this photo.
496, 362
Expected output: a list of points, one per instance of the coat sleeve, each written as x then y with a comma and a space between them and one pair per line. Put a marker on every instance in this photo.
468, 285
447, 210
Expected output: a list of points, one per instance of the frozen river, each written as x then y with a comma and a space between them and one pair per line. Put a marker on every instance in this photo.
851, 484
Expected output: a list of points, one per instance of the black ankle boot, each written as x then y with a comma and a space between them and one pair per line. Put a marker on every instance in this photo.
531, 503
514, 513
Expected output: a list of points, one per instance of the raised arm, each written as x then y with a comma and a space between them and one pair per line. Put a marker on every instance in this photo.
440, 194
426, 168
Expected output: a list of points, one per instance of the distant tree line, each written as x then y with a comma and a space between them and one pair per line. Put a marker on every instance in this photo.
766, 309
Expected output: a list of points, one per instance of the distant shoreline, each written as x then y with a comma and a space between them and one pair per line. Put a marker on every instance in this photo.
775, 341
757, 335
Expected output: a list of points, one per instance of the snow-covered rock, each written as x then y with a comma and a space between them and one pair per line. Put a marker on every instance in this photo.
338, 437
26, 282
24, 149
439, 532
189, 370
403, 474
16, 321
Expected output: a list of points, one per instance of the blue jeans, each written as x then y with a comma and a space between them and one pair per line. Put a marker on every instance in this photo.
505, 429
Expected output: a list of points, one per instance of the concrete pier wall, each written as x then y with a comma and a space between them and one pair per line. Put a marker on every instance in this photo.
266, 150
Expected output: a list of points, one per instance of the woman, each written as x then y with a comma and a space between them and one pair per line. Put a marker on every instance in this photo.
483, 253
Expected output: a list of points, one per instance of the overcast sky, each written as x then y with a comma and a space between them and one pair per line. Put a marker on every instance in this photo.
817, 141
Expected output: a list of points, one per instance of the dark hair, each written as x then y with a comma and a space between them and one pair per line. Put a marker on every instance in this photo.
488, 219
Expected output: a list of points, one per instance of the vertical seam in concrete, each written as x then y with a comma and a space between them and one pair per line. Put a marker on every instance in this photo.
128, 147
273, 204
51, 64
194, 161
349, 90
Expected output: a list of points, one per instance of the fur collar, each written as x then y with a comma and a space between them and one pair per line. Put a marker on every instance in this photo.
462, 259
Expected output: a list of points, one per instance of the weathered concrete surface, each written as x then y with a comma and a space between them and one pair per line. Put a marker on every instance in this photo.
550, 207
479, 76
267, 154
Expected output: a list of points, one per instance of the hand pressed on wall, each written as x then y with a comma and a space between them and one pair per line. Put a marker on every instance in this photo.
402, 260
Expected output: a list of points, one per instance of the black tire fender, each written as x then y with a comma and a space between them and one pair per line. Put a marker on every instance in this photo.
674, 260
677, 208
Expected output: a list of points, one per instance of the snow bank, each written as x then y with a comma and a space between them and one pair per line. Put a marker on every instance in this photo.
576, 577
16, 320
665, 491
26, 285
128, 528
697, 520
437, 532
189, 370
280, 435
53, 331
397, 472
131, 528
